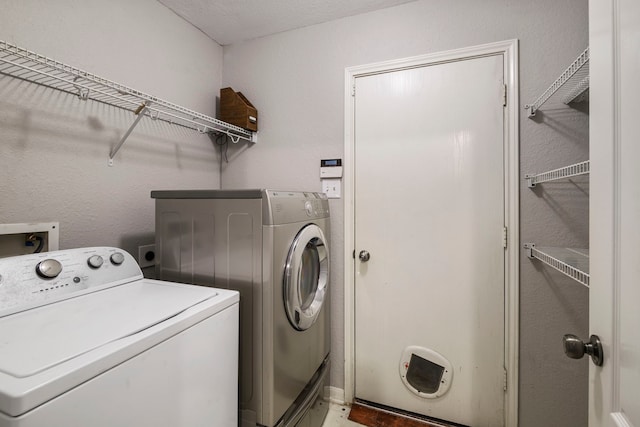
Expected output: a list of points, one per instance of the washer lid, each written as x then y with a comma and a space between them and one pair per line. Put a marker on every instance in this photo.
49, 350
39, 339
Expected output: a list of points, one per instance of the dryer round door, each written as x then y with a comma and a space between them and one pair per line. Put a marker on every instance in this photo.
306, 277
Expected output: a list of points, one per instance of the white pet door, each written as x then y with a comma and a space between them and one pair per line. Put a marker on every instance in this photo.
306, 277
425, 372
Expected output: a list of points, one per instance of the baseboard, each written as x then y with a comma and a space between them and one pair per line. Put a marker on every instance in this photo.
336, 395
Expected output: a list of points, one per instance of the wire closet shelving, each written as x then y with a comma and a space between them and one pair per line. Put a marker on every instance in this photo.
571, 86
35, 68
570, 261
577, 169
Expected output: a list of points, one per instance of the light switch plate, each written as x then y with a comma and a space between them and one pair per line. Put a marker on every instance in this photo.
332, 188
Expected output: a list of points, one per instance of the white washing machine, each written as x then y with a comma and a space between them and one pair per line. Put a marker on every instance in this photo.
272, 247
85, 340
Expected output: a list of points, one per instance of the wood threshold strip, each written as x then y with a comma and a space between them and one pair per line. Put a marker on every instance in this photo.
373, 417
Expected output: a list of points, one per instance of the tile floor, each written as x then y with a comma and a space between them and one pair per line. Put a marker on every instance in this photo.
337, 417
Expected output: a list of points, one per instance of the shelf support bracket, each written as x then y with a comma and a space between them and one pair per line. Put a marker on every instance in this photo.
83, 93
234, 138
140, 113
530, 178
529, 249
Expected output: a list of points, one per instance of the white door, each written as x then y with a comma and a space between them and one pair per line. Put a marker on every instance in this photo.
429, 218
614, 32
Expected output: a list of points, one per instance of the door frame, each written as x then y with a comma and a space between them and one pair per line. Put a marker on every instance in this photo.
509, 49
609, 176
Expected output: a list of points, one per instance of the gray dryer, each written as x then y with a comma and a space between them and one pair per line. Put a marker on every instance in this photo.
272, 246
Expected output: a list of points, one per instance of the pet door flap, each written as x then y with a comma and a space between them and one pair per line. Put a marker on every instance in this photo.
425, 372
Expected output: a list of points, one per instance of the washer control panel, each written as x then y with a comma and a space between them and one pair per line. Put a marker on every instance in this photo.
28, 281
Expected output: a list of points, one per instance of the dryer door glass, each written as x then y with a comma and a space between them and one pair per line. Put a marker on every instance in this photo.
306, 277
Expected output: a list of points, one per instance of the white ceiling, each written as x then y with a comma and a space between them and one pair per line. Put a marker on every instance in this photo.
232, 21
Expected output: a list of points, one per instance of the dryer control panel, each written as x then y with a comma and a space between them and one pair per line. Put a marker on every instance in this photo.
28, 281
295, 206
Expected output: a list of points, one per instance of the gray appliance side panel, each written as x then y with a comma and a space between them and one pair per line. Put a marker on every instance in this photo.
213, 242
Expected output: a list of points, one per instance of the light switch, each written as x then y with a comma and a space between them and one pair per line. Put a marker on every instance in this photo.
332, 188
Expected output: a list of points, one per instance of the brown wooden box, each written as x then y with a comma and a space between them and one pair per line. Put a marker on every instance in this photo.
237, 110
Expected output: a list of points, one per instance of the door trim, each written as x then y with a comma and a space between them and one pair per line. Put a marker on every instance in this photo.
606, 234
508, 48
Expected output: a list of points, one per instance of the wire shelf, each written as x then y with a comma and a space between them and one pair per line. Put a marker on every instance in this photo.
574, 82
571, 262
32, 67
577, 169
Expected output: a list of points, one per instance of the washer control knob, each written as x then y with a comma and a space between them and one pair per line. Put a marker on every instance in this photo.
49, 268
117, 258
95, 261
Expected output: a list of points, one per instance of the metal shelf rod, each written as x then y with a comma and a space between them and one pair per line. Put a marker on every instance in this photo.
581, 168
72, 83
202, 127
560, 81
140, 113
29, 66
573, 263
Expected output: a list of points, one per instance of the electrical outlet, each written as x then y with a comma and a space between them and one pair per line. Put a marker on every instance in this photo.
146, 256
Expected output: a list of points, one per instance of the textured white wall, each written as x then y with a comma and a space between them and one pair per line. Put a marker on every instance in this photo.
54, 147
296, 81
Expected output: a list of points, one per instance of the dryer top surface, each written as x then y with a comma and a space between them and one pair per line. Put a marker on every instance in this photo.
278, 206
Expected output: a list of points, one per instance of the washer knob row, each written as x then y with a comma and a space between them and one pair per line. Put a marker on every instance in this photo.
96, 261
50, 268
